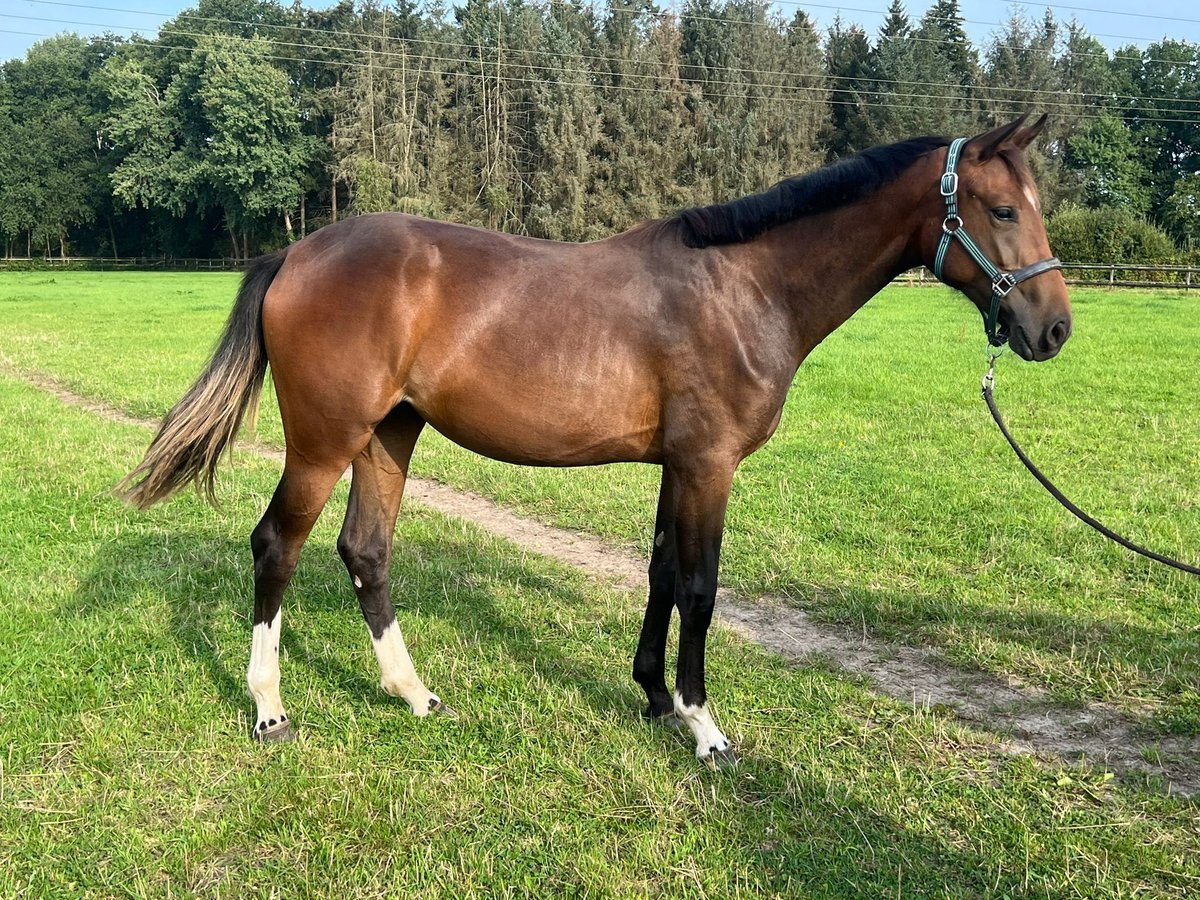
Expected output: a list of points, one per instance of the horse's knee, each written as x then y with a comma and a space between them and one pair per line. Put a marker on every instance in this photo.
695, 597
695, 616
662, 575
647, 668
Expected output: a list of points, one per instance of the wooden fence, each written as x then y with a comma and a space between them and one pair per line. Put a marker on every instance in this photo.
1111, 274
124, 263
1117, 275
1107, 274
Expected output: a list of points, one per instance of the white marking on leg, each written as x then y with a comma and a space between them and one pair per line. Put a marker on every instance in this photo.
262, 676
397, 675
357, 581
658, 540
709, 738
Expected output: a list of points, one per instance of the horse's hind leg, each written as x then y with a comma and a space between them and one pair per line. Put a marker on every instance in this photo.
275, 543
365, 545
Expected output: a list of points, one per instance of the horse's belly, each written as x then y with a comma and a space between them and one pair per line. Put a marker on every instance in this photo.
539, 426
531, 449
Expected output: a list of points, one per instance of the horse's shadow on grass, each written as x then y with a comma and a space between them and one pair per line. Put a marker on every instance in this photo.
838, 840
203, 581
467, 585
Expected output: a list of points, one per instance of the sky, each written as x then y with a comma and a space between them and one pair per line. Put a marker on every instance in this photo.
1152, 21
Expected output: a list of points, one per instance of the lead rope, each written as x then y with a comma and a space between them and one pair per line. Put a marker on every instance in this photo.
988, 383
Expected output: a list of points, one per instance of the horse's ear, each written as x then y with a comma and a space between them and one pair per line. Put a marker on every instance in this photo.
1025, 136
984, 146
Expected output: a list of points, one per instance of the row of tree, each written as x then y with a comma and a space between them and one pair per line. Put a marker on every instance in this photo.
245, 124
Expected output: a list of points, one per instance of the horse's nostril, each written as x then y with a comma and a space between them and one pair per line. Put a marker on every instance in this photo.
1059, 332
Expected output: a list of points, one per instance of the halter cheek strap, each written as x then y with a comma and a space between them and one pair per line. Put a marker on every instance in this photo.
952, 229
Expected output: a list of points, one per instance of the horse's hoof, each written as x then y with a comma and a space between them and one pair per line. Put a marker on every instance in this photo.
438, 708
279, 734
718, 760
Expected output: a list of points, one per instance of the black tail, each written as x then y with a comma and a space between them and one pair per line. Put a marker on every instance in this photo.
201, 425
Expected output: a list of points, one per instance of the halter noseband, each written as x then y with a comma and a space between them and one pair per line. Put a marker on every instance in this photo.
952, 227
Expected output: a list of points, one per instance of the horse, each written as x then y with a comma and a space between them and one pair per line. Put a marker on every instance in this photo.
673, 343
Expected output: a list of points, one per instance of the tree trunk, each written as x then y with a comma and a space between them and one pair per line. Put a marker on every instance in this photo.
62, 247
371, 100
333, 168
112, 234
287, 224
233, 237
303, 230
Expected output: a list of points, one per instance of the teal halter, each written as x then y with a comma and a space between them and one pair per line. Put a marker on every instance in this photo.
952, 227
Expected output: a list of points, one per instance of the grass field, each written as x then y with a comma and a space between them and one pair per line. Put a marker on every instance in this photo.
126, 769
886, 501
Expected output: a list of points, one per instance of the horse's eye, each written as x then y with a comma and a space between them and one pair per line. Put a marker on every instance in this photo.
1004, 213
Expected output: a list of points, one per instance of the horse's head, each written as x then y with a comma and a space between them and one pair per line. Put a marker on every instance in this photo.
988, 194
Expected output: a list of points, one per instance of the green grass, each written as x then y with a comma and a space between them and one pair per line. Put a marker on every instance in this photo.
127, 771
886, 501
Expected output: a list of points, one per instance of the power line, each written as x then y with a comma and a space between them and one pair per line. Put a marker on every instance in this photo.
796, 3
803, 4
669, 89
531, 67
1108, 12
658, 90
725, 20
516, 79
36, 34
766, 85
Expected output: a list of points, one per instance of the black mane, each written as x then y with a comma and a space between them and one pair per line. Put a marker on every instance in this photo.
830, 187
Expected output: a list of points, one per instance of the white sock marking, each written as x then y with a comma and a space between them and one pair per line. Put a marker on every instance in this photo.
708, 735
397, 675
262, 676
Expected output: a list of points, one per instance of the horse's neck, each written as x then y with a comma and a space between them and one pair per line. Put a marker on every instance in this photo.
827, 266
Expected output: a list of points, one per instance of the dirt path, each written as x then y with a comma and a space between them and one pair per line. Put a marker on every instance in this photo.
1099, 733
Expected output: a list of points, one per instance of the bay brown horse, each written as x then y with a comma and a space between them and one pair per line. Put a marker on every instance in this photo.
673, 343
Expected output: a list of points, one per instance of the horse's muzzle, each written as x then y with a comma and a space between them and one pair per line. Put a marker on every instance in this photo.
1046, 345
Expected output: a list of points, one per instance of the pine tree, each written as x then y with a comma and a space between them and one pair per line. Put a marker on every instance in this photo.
947, 67
848, 61
894, 75
564, 127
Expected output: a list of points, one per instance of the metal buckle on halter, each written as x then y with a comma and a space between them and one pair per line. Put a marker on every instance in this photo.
1003, 283
949, 184
946, 224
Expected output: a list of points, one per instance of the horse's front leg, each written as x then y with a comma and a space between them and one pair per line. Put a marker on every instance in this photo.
649, 666
699, 525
